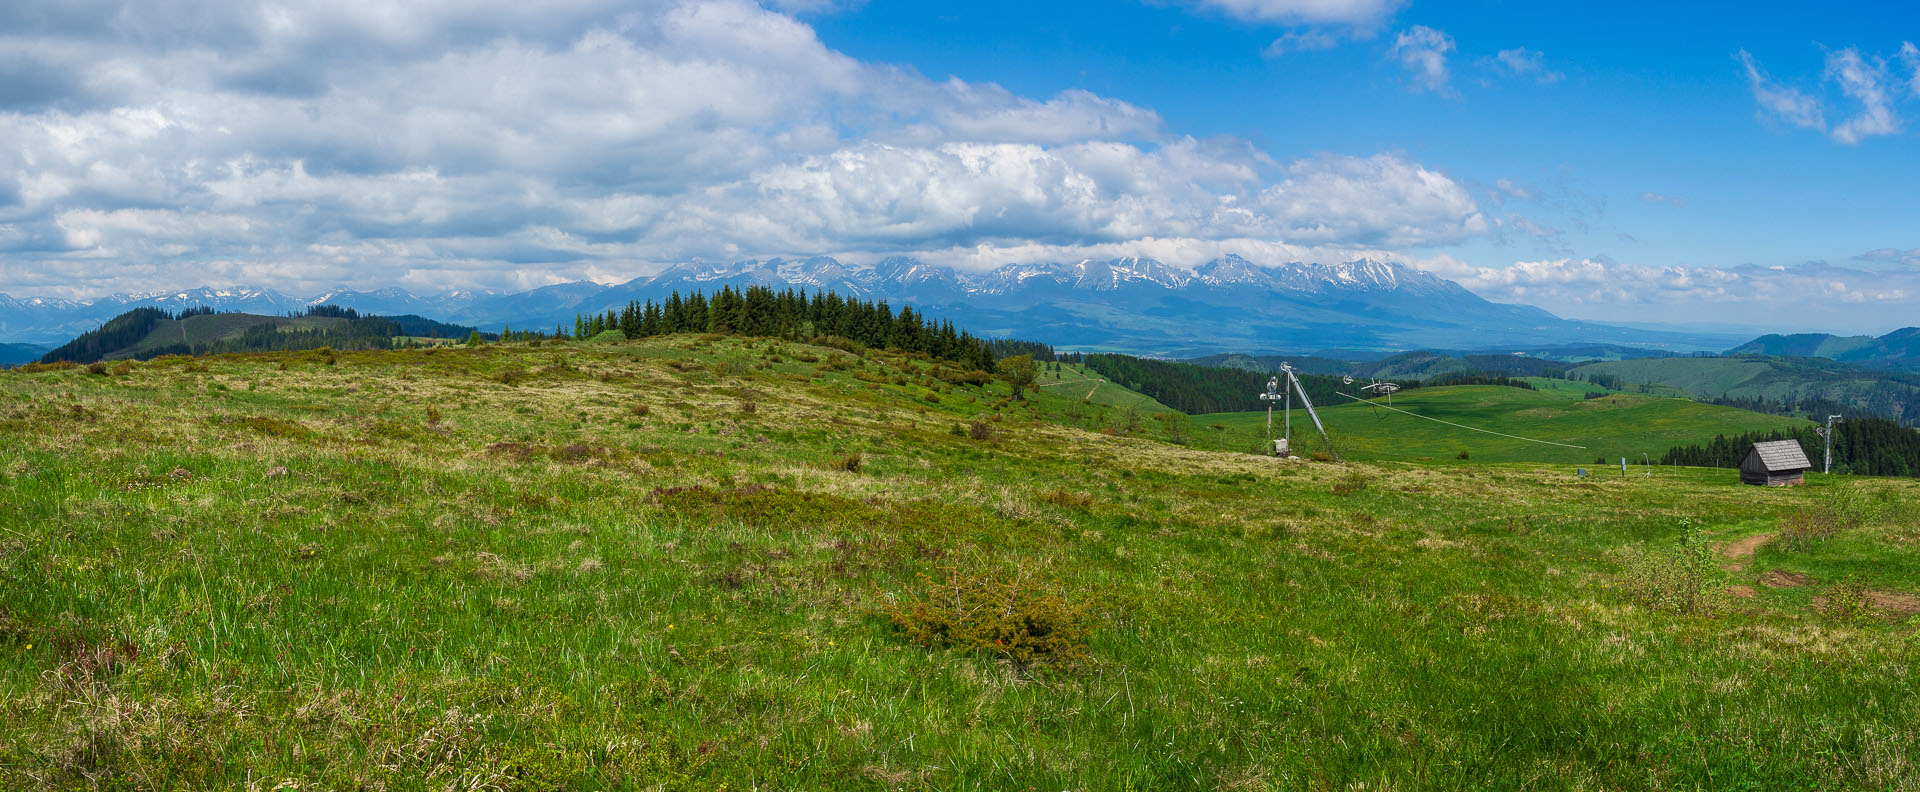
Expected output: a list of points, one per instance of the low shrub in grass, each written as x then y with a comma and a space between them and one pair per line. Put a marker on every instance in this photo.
1351, 484
99, 369
1681, 578
1061, 497
1849, 602
1804, 529
953, 376
1015, 619
275, 427
842, 344
979, 429
850, 463
35, 368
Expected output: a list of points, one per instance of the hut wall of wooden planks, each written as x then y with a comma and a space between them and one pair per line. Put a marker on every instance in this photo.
1775, 463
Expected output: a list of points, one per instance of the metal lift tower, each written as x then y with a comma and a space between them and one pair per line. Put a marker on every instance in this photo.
1279, 392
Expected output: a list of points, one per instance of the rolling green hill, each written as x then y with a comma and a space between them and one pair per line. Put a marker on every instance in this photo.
146, 333
206, 330
1071, 380
1611, 427
706, 562
1815, 382
1898, 350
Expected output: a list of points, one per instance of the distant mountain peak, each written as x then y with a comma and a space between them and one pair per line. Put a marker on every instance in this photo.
1132, 303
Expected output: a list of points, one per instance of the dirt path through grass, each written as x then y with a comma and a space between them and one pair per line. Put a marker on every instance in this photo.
1090, 391
1739, 551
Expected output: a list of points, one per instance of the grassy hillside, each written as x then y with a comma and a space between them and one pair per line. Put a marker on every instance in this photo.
1898, 350
1076, 381
1871, 391
1804, 345
206, 329
145, 333
1706, 376
702, 564
1618, 425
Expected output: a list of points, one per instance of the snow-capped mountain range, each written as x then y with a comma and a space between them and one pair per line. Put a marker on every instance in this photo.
902, 276
1132, 304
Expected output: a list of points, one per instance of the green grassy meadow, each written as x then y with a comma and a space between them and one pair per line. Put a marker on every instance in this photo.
706, 563
1073, 381
1614, 426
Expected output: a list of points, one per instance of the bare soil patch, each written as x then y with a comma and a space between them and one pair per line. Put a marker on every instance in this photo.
1774, 578
1743, 548
1902, 604
1743, 592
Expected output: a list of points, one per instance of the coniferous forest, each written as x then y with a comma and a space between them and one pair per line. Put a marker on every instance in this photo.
1861, 446
118, 333
761, 311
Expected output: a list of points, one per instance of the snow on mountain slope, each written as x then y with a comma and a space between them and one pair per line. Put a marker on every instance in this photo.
1128, 302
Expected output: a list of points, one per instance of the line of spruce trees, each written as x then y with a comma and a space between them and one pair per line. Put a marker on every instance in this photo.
1861, 446
761, 311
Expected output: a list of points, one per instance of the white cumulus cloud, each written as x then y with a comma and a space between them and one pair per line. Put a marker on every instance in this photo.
1423, 51
1910, 57
1523, 62
301, 143
1307, 12
1864, 80
1785, 297
1784, 102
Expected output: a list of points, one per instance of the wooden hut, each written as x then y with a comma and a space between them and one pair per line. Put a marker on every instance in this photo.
1775, 463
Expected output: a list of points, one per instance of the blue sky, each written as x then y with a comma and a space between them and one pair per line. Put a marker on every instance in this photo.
1707, 162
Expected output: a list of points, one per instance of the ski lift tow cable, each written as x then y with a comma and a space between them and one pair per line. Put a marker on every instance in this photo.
1462, 426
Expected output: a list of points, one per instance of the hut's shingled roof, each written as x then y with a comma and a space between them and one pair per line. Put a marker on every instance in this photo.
1780, 456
